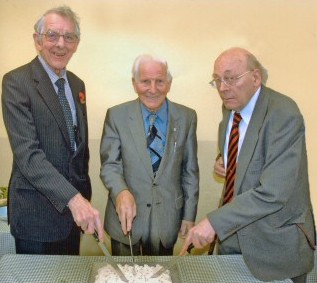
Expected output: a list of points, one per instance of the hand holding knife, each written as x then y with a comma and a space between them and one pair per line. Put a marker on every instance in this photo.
110, 258
171, 264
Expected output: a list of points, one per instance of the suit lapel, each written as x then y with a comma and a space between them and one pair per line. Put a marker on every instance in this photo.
171, 137
136, 126
251, 137
47, 92
80, 107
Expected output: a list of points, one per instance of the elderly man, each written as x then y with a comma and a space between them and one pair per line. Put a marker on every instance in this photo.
44, 112
265, 213
149, 165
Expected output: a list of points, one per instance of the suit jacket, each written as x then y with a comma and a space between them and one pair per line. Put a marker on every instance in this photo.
271, 213
125, 163
45, 173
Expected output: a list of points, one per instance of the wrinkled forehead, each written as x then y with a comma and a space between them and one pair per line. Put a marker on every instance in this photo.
230, 63
151, 67
59, 22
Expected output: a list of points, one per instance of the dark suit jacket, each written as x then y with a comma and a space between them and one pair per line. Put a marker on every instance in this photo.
271, 213
125, 163
45, 174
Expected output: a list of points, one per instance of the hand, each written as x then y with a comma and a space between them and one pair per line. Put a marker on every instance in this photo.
85, 216
186, 225
200, 235
126, 210
219, 167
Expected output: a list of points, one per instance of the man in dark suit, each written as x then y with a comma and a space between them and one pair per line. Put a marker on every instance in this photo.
49, 188
269, 218
149, 165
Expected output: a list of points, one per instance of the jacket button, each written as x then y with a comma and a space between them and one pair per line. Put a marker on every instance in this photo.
148, 205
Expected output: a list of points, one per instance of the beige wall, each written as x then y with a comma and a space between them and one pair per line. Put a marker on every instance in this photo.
189, 34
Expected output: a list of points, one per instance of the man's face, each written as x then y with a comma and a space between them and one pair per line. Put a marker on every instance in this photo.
152, 85
229, 66
56, 53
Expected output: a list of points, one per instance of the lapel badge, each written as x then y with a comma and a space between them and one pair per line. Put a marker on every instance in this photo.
82, 97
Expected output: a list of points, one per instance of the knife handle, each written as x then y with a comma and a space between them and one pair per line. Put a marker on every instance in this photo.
96, 236
190, 247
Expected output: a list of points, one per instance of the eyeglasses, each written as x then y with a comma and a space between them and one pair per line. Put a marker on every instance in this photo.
228, 81
53, 36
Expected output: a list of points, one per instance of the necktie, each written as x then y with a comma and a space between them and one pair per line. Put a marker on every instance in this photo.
232, 158
155, 144
231, 166
67, 112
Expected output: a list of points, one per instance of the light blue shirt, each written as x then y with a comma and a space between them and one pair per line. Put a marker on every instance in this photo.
160, 122
246, 114
53, 77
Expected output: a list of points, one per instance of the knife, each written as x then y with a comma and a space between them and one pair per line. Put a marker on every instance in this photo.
130, 243
171, 264
110, 258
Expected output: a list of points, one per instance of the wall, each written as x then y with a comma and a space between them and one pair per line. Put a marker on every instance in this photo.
190, 35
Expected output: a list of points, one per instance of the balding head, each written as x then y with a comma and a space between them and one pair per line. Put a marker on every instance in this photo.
242, 57
237, 76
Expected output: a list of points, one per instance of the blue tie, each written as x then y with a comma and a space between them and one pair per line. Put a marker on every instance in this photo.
155, 143
67, 112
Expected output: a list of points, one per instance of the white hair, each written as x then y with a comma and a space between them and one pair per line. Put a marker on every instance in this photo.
146, 58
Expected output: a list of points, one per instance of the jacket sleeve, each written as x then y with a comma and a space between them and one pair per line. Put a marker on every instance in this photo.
36, 171
274, 186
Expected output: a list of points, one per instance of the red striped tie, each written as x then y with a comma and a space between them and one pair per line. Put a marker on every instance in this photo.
232, 158
231, 167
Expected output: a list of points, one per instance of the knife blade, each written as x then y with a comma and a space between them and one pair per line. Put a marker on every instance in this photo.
110, 258
171, 264
130, 243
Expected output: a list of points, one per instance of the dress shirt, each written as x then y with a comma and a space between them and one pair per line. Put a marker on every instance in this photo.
160, 122
53, 77
246, 114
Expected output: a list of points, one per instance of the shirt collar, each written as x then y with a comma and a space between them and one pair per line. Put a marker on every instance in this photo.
247, 111
161, 113
52, 75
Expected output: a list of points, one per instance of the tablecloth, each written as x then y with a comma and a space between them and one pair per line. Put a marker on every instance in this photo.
77, 269
7, 244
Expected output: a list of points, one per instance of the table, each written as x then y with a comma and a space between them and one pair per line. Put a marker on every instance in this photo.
7, 244
43, 268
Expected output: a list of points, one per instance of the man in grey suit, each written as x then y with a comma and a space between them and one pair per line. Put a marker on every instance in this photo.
156, 202
49, 188
269, 219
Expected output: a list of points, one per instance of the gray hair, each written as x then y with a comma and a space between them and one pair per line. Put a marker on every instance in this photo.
146, 58
254, 63
63, 11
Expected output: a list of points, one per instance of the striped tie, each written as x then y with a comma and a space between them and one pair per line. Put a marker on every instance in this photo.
232, 158
67, 112
231, 167
155, 144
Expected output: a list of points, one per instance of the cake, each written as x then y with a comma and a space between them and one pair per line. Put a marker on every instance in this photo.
134, 273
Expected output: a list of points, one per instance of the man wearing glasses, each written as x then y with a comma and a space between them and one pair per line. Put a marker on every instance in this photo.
265, 212
44, 112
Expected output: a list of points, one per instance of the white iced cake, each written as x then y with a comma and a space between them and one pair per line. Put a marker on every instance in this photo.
134, 273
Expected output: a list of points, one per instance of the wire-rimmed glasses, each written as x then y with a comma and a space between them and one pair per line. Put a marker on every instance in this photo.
228, 81
54, 36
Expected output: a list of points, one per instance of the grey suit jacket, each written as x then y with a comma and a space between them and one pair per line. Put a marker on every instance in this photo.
271, 213
125, 163
45, 174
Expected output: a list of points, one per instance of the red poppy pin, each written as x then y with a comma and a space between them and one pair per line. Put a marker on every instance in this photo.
82, 97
